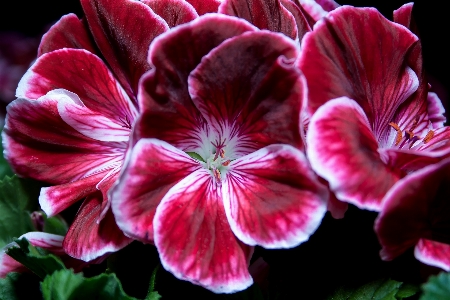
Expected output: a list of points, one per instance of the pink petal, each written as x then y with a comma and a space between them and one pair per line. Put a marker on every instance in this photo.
403, 15
123, 31
152, 168
435, 111
205, 6
68, 32
416, 207
433, 254
174, 12
89, 79
336, 208
168, 112
343, 150
356, 52
88, 239
194, 240
264, 14
300, 18
253, 88
272, 197
39, 144
318, 9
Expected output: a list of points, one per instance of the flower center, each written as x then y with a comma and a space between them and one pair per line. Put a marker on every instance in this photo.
217, 162
408, 137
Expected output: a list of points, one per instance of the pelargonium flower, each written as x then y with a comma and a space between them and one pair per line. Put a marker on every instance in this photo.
76, 106
218, 167
373, 121
416, 213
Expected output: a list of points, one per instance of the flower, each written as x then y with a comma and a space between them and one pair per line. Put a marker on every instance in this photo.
373, 120
76, 107
218, 167
416, 213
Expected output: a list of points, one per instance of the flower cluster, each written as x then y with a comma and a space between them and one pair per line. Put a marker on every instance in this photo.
207, 128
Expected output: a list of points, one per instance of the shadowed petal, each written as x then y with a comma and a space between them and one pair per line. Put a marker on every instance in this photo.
68, 32
123, 31
435, 111
87, 239
301, 19
174, 12
205, 6
433, 254
318, 9
194, 239
343, 150
273, 199
152, 168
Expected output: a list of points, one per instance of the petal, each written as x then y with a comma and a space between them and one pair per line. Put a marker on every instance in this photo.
205, 6
168, 112
300, 17
356, 52
123, 31
336, 208
152, 168
273, 199
248, 91
40, 145
416, 207
433, 254
88, 239
89, 79
174, 12
435, 111
318, 9
194, 239
264, 14
403, 15
343, 150
68, 32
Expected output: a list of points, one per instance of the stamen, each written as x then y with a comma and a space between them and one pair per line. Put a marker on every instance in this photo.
216, 173
428, 137
399, 137
226, 163
222, 153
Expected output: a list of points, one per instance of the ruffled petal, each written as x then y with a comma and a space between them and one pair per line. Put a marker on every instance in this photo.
205, 6
343, 150
152, 168
301, 19
356, 52
89, 79
264, 14
88, 239
68, 32
111, 23
168, 112
194, 239
433, 254
416, 207
272, 197
253, 88
174, 12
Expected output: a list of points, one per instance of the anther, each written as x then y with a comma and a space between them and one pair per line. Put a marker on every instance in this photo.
428, 137
226, 163
398, 137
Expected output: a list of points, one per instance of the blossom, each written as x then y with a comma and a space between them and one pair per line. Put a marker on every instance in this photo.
373, 120
76, 107
416, 213
218, 167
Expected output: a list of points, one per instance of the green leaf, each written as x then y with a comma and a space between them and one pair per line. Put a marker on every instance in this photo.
17, 197
383, 289
55, 225
437, 287
12, 287
65, 285
34, 258
5, 169
195, 156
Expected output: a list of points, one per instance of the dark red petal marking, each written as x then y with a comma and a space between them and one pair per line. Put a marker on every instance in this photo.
264, 14
343, 150
273, 198
152, 168
205, 6
194, 239
68, 32
433, 253
174, 12
168, 112
87, 239
123, 31
346, 56
250, 90
416, 207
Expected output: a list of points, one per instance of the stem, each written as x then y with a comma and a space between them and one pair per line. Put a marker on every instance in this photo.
151, 286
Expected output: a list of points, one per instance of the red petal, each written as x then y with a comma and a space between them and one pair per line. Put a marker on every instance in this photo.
174, 12
300, 18
264, 14
356, 52
152, 168
250, 89
435, 111
87, 239
342, 149
433, 253
273, 198
318, 9
205, 6
123, 30
416, 207
68, 32
194, 239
